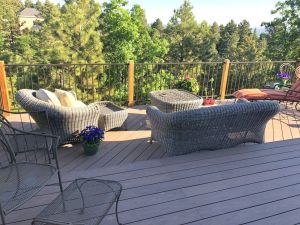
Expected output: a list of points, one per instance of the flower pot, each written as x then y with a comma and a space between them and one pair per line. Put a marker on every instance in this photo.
90, 149
208, 101
212, 101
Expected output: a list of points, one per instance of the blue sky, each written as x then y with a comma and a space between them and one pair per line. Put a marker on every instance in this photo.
221, 11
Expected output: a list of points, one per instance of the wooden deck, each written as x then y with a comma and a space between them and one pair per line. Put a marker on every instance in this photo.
122, 147
248, 184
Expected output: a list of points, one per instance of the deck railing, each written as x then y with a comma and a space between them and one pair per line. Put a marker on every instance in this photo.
131, 82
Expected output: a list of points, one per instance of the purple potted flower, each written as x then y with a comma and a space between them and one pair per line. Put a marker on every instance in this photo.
283, 78
92, 137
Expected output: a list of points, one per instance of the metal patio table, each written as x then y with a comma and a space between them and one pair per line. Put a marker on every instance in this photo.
174, 100
84, 202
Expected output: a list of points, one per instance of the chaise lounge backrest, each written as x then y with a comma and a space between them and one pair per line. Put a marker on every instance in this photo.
211, 128
63, 121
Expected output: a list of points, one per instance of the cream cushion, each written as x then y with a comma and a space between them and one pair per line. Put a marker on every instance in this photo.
79, 104
67, 99
47, 96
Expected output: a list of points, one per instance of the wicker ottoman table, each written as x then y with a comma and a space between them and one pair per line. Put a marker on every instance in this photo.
111, 115
83, 202
174, 100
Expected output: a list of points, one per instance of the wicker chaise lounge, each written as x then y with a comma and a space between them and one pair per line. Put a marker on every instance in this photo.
63, 121
211, 128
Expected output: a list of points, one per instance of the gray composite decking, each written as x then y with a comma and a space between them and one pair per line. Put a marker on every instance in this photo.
121, 147
248, 184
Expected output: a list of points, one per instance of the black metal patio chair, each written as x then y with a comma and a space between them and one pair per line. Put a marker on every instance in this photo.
28, 160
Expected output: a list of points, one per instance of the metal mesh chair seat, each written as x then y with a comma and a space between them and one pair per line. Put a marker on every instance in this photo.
21, 181
83, 202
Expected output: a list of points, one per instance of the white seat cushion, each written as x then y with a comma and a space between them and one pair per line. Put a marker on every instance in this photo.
48, 96
66, 98
79, 104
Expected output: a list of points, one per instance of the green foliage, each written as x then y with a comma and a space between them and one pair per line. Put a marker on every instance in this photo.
77, 30
182, 31
126, 35
283, 32
188, 84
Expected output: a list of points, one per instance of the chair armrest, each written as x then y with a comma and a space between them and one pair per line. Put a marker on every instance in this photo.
289, 91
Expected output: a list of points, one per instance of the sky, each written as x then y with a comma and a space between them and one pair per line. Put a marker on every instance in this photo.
221, 11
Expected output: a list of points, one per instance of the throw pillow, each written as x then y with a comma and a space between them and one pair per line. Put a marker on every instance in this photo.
47, 96
66, 98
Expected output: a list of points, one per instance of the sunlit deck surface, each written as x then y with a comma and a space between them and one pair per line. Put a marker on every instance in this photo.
251, 183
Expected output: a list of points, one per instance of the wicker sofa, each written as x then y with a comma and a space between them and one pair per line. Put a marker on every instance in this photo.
211, 128
63, 121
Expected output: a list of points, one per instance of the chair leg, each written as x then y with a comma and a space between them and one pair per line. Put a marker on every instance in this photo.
2, 215
117, 202
151, 139
59, 181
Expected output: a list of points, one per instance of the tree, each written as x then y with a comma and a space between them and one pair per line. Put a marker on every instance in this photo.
49, 48
283, 32
28, 4
158, 25
118, 32
126, 35
210, 38
77, 29
147, 48
9, 27
228, 45
250, 46
182, 31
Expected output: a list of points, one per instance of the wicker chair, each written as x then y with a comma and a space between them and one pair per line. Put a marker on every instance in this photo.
27, 161
211, 128
63, 121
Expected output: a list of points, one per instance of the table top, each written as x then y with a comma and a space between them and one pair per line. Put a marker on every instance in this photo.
84, 201
174, 95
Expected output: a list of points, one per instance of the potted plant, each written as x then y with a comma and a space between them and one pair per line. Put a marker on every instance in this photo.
92, 137
283, 79
211, 100
188, 84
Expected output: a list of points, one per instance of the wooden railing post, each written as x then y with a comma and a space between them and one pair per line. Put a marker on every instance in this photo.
224, 78
131, 83
3, 89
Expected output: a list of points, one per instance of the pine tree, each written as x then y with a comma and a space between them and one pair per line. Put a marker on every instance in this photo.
78, 30
228, 45
182, 31
211, 40
10, 29
249, 45
147, 48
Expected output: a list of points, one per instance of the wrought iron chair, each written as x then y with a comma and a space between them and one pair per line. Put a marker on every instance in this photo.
27, 161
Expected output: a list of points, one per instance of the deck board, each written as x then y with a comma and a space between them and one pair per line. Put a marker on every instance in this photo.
244, 184
247, 184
